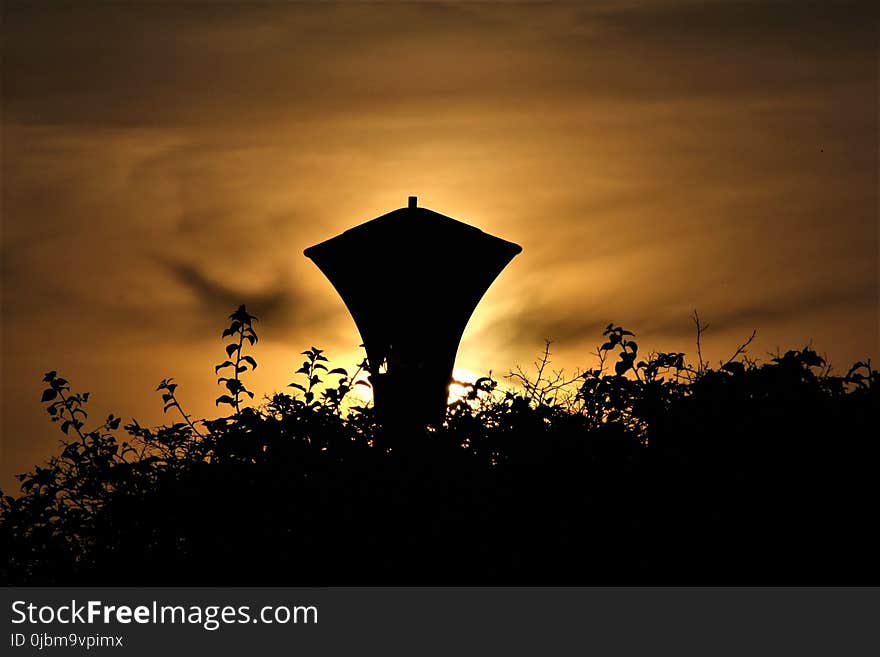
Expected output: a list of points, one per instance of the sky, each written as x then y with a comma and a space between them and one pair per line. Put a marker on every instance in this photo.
164, 162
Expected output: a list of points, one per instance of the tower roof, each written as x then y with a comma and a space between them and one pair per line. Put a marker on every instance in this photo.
415, 230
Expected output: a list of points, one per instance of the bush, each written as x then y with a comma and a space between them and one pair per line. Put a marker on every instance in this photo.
644, 471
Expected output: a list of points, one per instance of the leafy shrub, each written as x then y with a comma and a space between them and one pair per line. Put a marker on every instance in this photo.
637, 471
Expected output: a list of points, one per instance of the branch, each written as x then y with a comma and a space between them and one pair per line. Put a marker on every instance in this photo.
740, 349
700, 328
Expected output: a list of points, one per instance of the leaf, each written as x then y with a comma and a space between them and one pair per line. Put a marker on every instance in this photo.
225, 363
49, 394
242, 315
251, 360
297, 386
606, 346
224, 399
363, 383
318, 366
338, 370
231, 349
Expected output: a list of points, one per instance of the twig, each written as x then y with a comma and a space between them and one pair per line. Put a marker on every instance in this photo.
741, 349
700, 328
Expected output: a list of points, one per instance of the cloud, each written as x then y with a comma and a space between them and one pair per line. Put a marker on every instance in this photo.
567, 328
782, 24
204, 65
277, 301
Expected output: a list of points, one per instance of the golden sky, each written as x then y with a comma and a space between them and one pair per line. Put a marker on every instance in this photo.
164, 162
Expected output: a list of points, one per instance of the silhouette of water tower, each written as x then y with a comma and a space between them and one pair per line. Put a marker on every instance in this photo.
411, 280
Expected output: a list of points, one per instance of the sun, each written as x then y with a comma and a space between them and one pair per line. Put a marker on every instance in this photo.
457, 390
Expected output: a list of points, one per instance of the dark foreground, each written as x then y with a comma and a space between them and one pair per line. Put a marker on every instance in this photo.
657, 473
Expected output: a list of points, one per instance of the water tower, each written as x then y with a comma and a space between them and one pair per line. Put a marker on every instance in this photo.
411, 280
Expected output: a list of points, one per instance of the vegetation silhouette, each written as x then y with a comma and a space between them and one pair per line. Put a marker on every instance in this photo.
640, 470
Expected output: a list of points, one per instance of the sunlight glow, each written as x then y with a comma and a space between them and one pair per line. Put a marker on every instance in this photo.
457, 389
